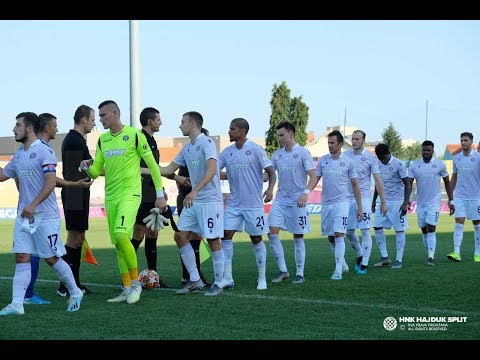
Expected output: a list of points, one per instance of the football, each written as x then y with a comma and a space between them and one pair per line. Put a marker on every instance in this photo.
148, 279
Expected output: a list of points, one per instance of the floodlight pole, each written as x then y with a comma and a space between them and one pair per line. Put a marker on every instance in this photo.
134, 74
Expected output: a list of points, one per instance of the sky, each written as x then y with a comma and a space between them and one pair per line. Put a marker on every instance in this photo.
366, 73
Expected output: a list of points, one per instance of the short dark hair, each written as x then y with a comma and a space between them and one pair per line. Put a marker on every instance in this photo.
428, 143
241, 123
148, 113
287, 126
195, 116
361, 132
381, 150
466, 133
111, 103
83, 111
205, 131
44, 120
337, 134
30, 119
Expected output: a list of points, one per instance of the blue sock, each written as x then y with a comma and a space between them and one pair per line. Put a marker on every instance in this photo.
35, 263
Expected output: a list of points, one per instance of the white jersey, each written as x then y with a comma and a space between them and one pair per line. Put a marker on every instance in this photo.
392, 175
336, 175
427, 176
29, 166
245, 174
292, 168
194, 157
467, 169
366, 164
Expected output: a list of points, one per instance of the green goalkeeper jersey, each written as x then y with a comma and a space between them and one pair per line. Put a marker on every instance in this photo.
120, 154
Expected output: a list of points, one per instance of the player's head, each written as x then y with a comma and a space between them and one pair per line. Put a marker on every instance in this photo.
335, 142
150, 119
286, 134
358, 139
84, 119
192, 122
109, 113
47, 126
466, 140
26, 126
427, 150
238, 129
383, 152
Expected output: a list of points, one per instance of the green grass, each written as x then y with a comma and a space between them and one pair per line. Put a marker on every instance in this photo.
318, 309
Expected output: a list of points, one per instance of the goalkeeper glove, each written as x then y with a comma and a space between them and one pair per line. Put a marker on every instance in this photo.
155, 221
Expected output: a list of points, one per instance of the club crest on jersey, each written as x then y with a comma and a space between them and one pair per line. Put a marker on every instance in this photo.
390, 168
295, 156
125, 138
473, 159
248, 152
33, 155
342, 164
363, 159
434, 166
197, 148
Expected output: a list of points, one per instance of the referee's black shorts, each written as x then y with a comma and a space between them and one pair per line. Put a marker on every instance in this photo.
143, 212
76, 210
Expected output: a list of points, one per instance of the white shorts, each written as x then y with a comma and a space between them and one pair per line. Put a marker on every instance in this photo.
428, 214
291, 218
45, 242
467, 208
203, 219
335, 218
254, 221
366, 222
392, 218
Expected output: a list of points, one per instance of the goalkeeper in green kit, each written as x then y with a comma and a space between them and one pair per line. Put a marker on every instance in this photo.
119, 152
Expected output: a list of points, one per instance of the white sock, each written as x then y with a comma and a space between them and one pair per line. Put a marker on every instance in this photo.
424, 238
432, 244
366, 245
457, 238
300, 255
339, 254
277, 252
218, 266
354, 241
64, 272
188, 257
476, 234
381, 242
260, 251
227, 246
21, 279
400, 245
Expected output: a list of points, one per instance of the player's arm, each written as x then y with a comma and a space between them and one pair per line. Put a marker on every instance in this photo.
312, 182
94, 168
374, 199
4, 177
358, 197
272, 179
453, 182
449, 190
83, 183
381, 192
50, 180
209, 174
407, 190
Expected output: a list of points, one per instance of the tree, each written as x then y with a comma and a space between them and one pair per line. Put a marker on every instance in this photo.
393, 140
286, 109
280, 105
299, 118
413, 152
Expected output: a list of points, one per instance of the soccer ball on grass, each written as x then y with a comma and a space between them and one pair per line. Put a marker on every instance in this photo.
148, 279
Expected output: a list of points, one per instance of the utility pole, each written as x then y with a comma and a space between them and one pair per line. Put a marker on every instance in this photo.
426, 119
134, 74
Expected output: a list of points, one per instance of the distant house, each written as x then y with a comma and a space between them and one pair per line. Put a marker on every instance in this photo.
453, 149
